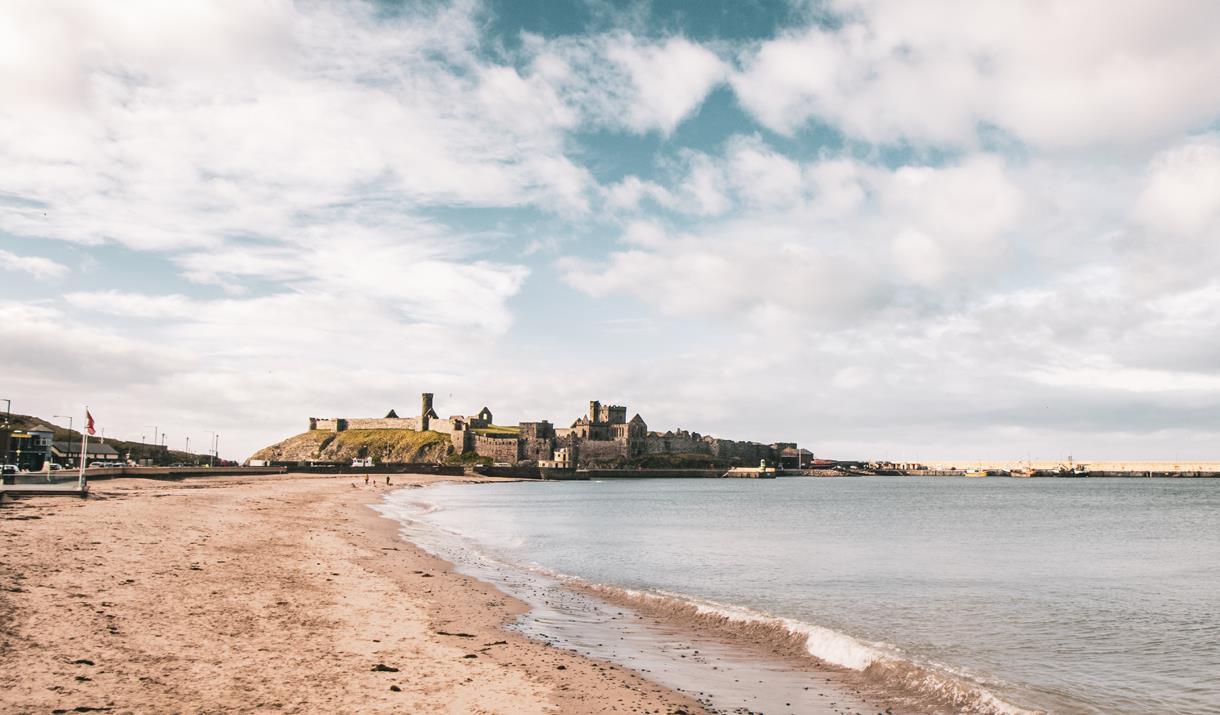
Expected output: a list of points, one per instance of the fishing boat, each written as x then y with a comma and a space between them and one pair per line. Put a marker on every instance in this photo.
977, 473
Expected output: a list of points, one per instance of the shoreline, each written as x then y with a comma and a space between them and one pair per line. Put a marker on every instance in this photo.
274, 593
730, 640
729, 666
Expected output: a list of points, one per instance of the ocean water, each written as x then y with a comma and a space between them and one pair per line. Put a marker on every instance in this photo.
993, 595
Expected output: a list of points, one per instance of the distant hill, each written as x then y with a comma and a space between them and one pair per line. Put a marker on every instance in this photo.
383, 445
137, 450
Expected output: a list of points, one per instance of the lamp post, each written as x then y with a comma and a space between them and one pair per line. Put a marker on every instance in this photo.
154, 429
8, 441
69, 439
212, 457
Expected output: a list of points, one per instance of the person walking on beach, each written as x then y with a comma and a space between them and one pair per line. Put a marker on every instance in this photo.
387, 480
366, 480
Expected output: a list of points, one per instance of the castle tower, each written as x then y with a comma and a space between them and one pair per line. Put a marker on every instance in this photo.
595, 408
425, 412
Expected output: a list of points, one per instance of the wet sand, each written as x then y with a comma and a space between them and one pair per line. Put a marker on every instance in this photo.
727, 666
271, 594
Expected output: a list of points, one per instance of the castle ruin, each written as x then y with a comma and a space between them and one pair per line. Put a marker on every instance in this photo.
603, 437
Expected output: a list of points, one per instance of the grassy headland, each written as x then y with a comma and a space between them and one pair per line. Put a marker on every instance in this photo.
383, 445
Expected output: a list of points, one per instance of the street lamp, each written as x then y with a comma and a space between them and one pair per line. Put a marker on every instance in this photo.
154, 429
212, 457
8, 441
68, 441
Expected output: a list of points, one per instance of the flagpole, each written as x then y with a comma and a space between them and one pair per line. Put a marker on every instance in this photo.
84, 441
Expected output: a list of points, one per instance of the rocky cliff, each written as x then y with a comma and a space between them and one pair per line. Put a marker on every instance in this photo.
383, 445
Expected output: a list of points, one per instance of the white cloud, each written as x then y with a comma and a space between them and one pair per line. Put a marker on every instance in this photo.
1061, 75
671, 80
761, 176
43, 269
134, 305
623, 82
1182, 195
627, 194
827, 241
186, 128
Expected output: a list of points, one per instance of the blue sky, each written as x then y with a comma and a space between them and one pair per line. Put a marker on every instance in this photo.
957, 230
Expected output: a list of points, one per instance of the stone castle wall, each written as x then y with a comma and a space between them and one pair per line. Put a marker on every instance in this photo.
411, 423
683, 442
680, 442
746, 452
537, 448
601, 452
339, 424
500, 449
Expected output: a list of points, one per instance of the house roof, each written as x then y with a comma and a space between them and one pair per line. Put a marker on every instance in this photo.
790, 452
95, 449
637, 418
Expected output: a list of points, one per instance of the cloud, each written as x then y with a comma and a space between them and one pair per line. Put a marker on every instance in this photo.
43, 269
795, 244
1058, 76
671, 80
1181, 195
626, 195
623, 82
134, 305
247, 118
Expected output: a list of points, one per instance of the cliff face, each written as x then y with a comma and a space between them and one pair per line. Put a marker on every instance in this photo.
383, 445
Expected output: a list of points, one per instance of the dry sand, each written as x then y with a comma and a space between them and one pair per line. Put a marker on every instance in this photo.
272, 594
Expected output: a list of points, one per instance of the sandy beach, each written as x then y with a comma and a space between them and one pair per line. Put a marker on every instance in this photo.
271, 594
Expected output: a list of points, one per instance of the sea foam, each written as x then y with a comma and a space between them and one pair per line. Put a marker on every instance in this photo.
923, 684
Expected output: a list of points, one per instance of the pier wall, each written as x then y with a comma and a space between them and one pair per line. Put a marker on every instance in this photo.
1091, 466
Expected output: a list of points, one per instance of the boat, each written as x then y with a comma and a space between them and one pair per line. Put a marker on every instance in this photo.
977, 473
1021, 473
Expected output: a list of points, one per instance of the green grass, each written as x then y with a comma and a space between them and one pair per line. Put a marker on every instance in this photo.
497, 430
467, 458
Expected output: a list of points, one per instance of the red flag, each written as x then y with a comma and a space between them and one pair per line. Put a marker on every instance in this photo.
89, 418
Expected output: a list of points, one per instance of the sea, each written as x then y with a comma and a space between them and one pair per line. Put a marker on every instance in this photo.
988, 595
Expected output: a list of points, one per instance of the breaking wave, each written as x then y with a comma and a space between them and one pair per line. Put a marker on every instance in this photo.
931, 686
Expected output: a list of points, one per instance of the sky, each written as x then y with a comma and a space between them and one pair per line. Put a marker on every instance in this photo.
882, 229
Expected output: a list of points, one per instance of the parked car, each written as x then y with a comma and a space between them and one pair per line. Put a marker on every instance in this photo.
8, 469
55, 467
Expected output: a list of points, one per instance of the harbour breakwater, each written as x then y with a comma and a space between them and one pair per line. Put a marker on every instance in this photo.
1049, 468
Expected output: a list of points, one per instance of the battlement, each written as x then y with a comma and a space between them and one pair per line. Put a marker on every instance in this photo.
600, 414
